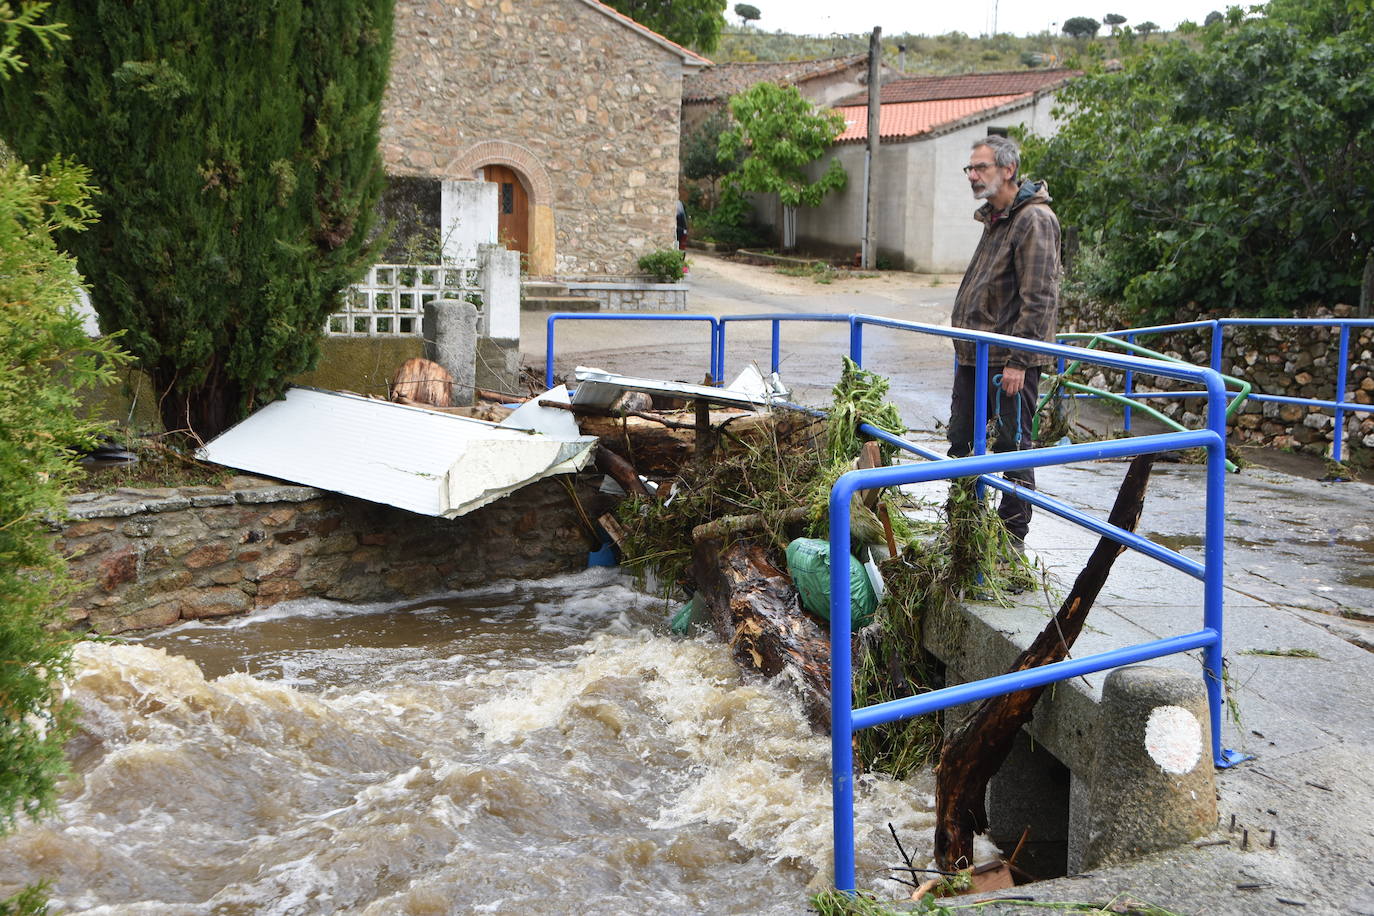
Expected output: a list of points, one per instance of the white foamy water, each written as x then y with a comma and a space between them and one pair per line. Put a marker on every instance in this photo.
530, 748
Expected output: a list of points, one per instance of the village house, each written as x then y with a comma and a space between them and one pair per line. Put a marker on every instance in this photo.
927, 126
566, 108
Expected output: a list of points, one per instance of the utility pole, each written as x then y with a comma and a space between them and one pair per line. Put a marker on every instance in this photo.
869, 252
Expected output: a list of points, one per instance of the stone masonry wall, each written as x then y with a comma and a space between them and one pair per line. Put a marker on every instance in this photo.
634, 297
148, 558
1295, 362
584, 107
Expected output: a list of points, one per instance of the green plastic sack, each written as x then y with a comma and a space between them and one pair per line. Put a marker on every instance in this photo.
690, 616
808, 561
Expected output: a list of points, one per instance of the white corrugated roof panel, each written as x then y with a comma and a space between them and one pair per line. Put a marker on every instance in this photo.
422, 460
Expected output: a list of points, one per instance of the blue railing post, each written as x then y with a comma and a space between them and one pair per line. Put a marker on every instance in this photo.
1338, 433
1218, 333
841, 688
777, 345
717, 352
856, 341
548, 352
980, 399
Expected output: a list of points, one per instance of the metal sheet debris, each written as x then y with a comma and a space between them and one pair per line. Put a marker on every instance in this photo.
422, 460
598, 388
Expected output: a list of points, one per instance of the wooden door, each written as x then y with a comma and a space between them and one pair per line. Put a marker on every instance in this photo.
512, 208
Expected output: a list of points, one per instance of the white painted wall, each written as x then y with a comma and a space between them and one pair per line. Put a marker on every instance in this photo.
467, 217
925, 216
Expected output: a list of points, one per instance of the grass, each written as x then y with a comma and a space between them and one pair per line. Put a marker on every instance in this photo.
824, 273
1282, 653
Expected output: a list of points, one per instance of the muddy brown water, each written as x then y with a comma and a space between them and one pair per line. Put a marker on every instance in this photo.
536, 747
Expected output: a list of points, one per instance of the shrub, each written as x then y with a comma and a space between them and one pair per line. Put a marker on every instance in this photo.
666, 265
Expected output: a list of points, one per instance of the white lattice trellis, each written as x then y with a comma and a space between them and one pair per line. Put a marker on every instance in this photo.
390, 302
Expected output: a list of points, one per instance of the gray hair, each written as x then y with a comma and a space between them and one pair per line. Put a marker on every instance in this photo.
1006, 154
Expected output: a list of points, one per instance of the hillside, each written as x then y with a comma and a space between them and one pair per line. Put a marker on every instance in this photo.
925, 54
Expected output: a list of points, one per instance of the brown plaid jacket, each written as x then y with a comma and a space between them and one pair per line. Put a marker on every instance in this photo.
1012, 284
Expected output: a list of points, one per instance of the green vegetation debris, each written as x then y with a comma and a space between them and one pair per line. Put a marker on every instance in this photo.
936, 562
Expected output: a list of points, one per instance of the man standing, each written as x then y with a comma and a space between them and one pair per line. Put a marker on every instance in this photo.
1011, 287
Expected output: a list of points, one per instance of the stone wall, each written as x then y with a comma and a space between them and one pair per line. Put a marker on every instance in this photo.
583, 106
1299, 362
634, 297
148, 558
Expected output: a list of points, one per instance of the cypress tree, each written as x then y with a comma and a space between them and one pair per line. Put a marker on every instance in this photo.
235, 148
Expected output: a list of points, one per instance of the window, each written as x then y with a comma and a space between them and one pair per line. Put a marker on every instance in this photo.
507, 197
997, 131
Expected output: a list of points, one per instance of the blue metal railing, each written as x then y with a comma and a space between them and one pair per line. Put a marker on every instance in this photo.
1215, 327
845, 719
711, 369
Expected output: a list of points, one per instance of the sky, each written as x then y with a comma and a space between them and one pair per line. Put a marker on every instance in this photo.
973, 17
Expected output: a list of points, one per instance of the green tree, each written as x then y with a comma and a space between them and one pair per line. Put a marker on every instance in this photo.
45, 360
779, 134
235, 149
747, 13
1146, 27
701, 159
1081, 27
694, 23
1229, 171
1114, 20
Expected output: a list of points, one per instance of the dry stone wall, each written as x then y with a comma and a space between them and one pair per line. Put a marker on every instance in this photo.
148, 558
582, 106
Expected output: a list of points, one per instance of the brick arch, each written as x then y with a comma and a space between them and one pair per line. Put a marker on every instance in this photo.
501, 152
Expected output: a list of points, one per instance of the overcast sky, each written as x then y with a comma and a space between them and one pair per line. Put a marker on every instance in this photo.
974, 17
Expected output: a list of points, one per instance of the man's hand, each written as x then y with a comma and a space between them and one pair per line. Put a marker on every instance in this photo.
1013, 379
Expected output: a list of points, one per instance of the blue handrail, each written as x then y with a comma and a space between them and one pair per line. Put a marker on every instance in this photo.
716, 336
1340, 406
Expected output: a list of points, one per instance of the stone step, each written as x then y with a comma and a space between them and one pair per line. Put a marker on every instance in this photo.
542, 289
559, 304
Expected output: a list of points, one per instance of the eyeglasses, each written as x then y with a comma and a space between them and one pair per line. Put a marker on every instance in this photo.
979, 167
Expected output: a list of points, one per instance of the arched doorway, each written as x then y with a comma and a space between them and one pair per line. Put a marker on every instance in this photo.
512, 207
531, 198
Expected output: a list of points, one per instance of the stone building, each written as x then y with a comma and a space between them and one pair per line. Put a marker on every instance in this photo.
927, 126
570, 108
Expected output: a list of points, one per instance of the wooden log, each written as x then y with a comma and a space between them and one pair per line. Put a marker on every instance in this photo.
755, 609
972, 754
623, 472
660, 449
733, 525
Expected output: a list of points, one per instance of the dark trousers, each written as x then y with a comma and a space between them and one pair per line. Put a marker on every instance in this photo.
1005, 435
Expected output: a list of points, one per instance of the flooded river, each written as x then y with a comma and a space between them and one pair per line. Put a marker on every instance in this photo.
531, 747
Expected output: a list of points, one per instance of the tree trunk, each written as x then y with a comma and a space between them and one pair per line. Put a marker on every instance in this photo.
755, 609
973, 754
204, 411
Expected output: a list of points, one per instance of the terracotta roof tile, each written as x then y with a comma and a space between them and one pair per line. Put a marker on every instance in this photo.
724, 80
907, 119
965, 86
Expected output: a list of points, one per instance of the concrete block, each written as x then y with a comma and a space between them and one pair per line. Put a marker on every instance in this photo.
1151, 787
498, 364
450, 327
500, 292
